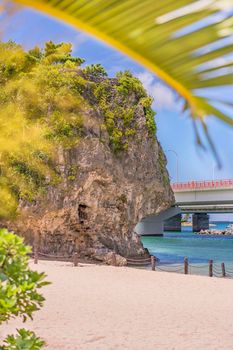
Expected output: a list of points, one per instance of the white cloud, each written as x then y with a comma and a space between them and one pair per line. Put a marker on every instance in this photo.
79, 40
164, 97
147, 79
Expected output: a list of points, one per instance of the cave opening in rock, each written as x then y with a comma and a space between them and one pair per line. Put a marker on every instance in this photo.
82, 213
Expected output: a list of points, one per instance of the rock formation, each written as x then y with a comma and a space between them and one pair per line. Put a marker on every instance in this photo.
108, 182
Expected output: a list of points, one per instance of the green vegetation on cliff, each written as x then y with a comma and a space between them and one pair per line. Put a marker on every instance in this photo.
45, 97
119, 103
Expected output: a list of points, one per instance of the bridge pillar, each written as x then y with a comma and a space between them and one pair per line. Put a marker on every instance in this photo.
153, 225
150, 228
200, 222
173, 223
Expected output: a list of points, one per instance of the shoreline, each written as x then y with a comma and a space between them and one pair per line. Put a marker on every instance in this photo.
97, 307
189, 224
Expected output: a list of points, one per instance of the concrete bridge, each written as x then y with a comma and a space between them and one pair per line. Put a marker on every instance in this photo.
195, 197
204, 196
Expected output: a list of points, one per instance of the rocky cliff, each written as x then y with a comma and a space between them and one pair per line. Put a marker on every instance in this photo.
109, 180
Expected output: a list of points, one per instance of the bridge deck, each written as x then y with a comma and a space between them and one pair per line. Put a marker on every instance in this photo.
202, 185
204, 196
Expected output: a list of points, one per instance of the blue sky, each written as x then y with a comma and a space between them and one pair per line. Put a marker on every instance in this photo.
175, 130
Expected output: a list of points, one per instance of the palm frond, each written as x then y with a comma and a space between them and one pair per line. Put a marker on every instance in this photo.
174, 39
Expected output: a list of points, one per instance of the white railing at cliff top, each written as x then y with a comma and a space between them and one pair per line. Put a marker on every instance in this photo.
201, 185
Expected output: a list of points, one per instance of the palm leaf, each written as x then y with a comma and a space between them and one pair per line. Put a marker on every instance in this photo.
171, 38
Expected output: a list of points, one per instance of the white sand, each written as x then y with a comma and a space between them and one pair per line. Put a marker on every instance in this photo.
109, 308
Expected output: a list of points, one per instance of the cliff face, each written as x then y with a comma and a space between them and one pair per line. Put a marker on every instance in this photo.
104, 193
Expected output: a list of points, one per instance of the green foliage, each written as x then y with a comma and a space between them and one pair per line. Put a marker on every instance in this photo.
60, 53
44, 95
149, 113
19, 142
95, 70
162, 166
19, 286
72, 172
67, 128
24, 340
35, 179
41, 107
158, 34
12, 60
35, 53
119, 104
128, 84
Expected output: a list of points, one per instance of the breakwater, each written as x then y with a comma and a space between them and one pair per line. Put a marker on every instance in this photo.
227, 232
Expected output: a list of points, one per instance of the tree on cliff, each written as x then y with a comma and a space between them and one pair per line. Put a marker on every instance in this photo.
43, 98
30, 86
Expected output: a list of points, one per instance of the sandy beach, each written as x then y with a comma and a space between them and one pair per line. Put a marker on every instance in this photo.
108, 308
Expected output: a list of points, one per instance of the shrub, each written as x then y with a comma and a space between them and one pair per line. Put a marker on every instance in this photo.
119, 102
127, 84
72, 172
149, 113
19, 294
25, 340
95, 70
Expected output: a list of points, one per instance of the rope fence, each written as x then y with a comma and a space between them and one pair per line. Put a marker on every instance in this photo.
69, 258
210, 269
139, 262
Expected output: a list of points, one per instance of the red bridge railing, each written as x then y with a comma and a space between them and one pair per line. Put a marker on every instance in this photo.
198, 185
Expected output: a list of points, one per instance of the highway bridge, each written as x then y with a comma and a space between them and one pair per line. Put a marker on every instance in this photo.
194, 197
204, 196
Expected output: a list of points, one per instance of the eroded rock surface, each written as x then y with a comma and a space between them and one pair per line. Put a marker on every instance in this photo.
94, 210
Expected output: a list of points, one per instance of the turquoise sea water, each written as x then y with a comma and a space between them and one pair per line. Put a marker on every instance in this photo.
174, 246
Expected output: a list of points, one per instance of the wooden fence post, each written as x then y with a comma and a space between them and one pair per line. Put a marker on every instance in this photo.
35, 254
114, 262
223, 270
211, 268
186, 266
75, 259
153, 262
